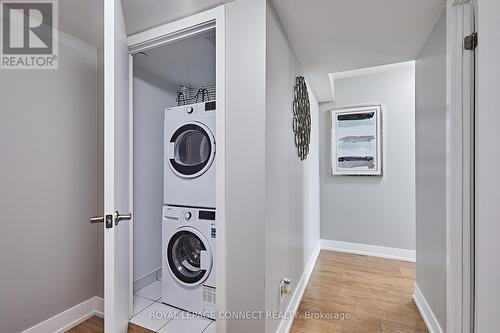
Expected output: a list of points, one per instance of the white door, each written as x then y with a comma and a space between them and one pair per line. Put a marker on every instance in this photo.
468, 63
461, 166
117, 169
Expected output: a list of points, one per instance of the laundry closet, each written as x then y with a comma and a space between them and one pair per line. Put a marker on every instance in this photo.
174, 176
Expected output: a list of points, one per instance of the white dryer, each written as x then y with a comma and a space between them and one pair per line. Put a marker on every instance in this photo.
188, 260
189, 155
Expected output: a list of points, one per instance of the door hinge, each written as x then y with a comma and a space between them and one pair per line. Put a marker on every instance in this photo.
470, 42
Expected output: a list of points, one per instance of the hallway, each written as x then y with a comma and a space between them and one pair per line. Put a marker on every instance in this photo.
372, 295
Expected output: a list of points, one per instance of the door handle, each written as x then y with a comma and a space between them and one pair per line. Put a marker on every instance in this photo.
97, 219
122, 217
204, 260
102, 219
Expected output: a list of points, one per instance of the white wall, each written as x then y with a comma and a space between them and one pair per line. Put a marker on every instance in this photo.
150, 101
48, 177
431, 170
374, 210
311, 179
487, 175
292, 185
245, 161
271, 197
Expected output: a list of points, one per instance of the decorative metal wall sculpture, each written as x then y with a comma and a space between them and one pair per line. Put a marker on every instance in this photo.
301, 117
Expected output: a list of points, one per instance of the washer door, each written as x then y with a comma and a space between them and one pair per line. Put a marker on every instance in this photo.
191, 150
189, 256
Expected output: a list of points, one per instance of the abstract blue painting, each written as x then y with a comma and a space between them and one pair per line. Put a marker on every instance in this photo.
357, 141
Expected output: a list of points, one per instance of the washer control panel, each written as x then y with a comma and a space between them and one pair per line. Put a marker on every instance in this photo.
188, 214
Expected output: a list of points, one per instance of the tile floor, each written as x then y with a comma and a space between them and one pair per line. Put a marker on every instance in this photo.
167, 318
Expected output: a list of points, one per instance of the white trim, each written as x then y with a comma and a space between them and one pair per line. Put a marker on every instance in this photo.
373, 70
293, 306
426, 312
176, 30
131, 183
219, 14
165, 39
71, 317
367, 71
459, 169
369, 250
146, 279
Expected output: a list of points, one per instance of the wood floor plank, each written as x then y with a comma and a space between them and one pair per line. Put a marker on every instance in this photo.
92, 325
376, 293
391, 327
132, 328
96, 325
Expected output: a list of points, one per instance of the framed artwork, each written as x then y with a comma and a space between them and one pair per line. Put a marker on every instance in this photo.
357, 141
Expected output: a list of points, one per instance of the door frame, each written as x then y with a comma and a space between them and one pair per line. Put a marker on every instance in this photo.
167, 33
460, 170
131, 182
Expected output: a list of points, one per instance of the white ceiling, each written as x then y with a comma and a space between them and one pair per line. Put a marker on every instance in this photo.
84, 18
327, 35
338, 35
141, 15
188, 61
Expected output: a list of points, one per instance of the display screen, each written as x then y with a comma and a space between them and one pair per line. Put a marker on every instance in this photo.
207, 215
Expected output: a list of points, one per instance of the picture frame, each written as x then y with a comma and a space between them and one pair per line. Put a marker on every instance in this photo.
356, 141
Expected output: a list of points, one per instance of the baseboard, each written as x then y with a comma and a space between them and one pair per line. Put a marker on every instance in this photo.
147, 279
426, 312
70, 318
369, 250
293, 306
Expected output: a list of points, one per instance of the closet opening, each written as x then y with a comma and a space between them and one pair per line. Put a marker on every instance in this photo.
175, 149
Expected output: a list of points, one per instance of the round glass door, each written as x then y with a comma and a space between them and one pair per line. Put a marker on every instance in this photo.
184, 252
193, 150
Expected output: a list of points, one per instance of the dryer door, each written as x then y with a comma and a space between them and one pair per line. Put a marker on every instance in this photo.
189, 256
191, 150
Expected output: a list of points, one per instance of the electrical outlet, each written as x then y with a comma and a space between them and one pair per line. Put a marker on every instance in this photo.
285, 288
282, 287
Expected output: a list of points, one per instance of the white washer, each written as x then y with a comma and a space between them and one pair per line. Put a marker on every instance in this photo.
188, 260
189, 155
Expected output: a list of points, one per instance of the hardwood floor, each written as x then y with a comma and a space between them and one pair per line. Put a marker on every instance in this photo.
132, 328
96, 325
92, 325
374, 293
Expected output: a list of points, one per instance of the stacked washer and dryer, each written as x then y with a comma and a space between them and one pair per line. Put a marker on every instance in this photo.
188, 225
